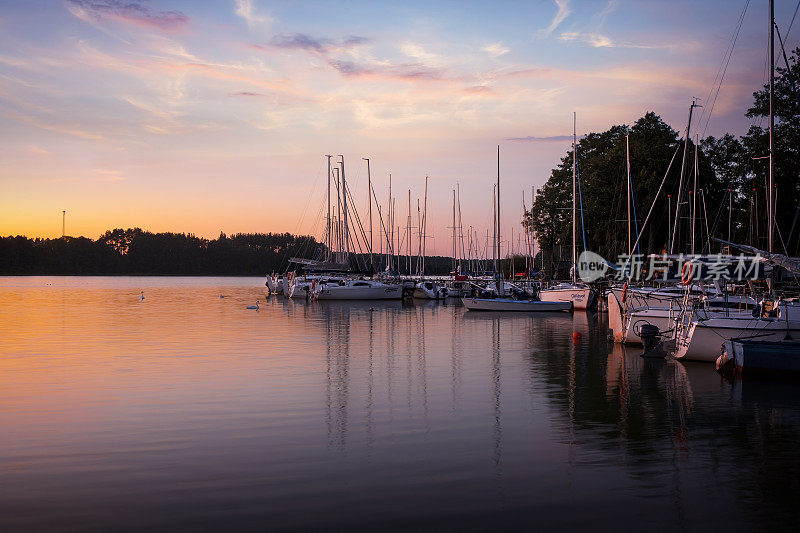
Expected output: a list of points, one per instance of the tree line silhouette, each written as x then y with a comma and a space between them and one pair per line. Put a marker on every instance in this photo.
134, 251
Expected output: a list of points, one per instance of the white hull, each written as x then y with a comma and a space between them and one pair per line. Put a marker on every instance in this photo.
651, 297
581, 297
459, 289
503, 304
426, 290
702, 340
300, 290
359, 290
276, 284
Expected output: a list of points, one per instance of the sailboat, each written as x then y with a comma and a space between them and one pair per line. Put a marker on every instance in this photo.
425, 289
503, 302
581, 296
701, 339
331, 276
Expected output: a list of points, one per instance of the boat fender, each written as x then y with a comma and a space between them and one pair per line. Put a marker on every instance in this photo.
624, 291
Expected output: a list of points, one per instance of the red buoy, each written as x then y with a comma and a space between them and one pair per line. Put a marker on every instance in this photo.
576, 336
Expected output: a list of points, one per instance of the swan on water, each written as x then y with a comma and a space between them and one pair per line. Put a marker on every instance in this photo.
253, 306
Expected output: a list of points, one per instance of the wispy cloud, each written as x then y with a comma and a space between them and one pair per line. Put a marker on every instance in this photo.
595, 40
401, 71
107, 174
245, 93
562, 13
606, 11
246, 9
482, 90
316, 45
418, 52
495, 49
599, 40
130, 12
37, 151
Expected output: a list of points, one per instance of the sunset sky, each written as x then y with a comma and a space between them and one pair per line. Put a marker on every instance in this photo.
215, 116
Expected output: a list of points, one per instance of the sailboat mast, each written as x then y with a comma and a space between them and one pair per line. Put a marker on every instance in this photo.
344, 201
408, 245
499, 260
424, 224
390, 231
328, 224
369, 202
494, 228
770, 194
680, 181
694, 191
574, 179
462, 256
628, 166
454, 231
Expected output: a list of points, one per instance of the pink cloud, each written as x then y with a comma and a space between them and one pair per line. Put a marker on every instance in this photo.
128, 12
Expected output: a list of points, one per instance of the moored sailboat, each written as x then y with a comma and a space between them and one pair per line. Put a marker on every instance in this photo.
579, 295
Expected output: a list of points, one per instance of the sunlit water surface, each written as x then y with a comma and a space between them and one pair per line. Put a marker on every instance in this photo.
188, 411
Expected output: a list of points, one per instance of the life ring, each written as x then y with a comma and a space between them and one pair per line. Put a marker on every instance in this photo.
686, 273
624, 291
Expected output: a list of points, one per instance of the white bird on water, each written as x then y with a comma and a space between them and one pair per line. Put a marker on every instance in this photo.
254, 306
142, 295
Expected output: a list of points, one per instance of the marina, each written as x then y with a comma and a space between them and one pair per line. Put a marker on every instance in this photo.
373, 266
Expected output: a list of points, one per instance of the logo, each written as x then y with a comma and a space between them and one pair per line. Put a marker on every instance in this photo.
591, 266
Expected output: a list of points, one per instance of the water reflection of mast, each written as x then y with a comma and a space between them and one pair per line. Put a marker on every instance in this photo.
422, 367
369, 382
338, 329
571, 411
455, 367
498, 429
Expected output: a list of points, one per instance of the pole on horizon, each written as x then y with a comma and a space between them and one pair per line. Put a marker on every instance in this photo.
63, 223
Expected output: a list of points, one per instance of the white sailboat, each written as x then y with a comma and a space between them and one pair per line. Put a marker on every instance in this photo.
581, 296
356, 289
502, 302
701, 339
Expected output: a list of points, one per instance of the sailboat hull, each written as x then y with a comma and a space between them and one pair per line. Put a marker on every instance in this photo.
506, 304
702, 341
378, 292
580, 297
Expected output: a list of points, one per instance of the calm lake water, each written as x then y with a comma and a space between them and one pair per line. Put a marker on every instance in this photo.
188, 411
